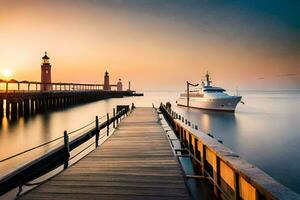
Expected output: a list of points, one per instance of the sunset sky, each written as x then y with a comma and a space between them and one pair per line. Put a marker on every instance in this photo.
157, 44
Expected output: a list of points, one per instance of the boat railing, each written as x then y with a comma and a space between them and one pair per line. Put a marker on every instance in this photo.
231, 176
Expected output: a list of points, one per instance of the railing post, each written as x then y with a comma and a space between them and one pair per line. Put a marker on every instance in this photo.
67, 146
216, 177
98, 132
114, 114
107, 125
203, 159
236, 186
118, 117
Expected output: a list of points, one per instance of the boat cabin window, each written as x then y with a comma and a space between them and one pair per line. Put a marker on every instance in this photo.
214, 90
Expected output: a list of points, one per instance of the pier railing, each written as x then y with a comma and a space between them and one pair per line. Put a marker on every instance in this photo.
14, 86
231, 176
60, 155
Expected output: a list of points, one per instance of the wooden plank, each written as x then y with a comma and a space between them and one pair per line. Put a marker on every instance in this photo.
135, 163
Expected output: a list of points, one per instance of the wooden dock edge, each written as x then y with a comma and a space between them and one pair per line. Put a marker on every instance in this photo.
234, 175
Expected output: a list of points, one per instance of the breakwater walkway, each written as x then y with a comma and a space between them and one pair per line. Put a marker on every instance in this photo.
136, 162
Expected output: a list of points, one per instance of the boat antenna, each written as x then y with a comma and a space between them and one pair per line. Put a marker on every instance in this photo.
208, 81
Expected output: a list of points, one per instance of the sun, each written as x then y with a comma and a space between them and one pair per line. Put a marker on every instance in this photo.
6, 73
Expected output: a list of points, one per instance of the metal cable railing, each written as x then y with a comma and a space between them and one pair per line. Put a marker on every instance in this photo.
93, 143
31, 149
76, 130
43, 144
56, 139
60, 155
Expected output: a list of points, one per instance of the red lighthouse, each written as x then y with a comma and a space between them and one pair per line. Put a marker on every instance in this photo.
46, 74
106, 85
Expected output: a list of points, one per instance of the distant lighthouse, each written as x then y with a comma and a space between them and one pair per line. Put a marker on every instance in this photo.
129, 85
106, 82
119, 85
46, 74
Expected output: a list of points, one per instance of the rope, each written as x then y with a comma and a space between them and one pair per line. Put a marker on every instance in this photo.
39, 183
102, 116
46, 143
102, 136
18, 154
81, 128
82, 151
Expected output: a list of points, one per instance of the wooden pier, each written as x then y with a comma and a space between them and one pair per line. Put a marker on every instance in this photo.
136, 162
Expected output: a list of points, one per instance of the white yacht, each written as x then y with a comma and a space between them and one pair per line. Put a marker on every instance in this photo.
209, 97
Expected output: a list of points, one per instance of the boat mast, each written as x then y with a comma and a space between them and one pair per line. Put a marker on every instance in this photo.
208, 81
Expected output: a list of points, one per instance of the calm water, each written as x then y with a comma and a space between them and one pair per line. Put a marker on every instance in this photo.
264, 131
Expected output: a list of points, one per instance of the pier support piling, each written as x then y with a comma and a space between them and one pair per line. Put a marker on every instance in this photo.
1, 108
7, 108
14, 109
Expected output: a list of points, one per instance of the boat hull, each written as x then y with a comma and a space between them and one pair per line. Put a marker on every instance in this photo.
221, 104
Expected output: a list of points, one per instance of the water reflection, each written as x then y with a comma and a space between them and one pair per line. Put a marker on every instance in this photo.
265, 131
46, 124
211, 121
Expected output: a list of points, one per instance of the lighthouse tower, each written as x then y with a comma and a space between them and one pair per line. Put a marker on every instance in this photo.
46, 74
106, 82
119, 85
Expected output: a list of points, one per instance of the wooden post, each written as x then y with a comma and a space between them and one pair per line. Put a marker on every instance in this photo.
21, 108
36, 86
107, 125
7, 108
236, 186
26, 107
18, 86
117, 118
216, 177
14, 110
6, 87
28, 86
32, 106
114, 113
67, 146
203, 159
98, 131
196, 149
180, 134
1, 108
